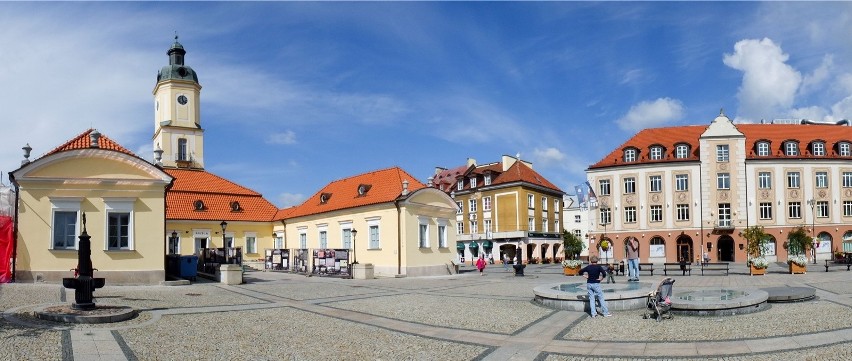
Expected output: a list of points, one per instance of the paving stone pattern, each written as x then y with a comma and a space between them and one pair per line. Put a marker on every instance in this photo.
460, 317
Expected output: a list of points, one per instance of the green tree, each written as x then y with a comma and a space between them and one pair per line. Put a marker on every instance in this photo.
571, 245
798, 241
756, 239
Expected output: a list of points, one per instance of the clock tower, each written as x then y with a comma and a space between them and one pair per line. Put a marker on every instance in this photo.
178, 135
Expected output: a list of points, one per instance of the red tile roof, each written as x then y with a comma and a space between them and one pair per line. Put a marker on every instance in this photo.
775, 134
217, 195
384, 186
83, 141
447, 179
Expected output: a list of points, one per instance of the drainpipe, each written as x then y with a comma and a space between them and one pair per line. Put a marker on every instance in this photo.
398, 238
15, 227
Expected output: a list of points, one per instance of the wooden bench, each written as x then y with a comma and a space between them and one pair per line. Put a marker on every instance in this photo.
714, 266
685, 267
649, 267
833, 263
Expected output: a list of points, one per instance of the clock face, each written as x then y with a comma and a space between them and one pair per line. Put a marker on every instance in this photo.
182, 100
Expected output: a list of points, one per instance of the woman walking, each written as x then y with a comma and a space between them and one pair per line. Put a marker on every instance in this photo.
480, 265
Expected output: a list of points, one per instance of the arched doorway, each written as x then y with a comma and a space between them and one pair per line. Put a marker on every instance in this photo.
685, 252
725, 249
543, 251
507, 250
823, 250
556, 249
529, 253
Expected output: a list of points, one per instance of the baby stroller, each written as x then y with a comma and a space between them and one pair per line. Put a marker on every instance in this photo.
659, 304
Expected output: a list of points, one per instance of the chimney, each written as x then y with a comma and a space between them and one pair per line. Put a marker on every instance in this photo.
508, 161
429, 182
471, 161
405, 187
94, 136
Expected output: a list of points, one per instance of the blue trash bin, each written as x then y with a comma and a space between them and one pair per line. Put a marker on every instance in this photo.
189, 267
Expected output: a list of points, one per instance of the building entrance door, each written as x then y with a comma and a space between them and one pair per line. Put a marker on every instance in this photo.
725, 249
684, 249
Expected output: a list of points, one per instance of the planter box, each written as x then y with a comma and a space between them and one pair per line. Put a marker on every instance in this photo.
571, 271
796, 269
757, 271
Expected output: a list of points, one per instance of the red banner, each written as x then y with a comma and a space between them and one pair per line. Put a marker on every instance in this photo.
6, 245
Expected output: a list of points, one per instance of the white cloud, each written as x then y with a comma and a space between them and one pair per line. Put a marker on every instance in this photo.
548, 156
769, 85
632, 76
815, 79
287, 137
649, 114
289, 199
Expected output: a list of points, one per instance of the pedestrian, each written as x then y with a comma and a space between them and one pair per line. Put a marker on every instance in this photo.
506, 261
633, 260
480, 265
594, 273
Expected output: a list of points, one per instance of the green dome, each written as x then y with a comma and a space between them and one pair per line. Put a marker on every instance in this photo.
176, 68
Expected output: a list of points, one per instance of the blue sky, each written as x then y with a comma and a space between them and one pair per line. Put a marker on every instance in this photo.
297, 94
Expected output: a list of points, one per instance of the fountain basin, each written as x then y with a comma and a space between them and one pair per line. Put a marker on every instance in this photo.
719, 302
100, 314
575, 296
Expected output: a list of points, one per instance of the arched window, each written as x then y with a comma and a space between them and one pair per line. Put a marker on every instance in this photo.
658, 247
824, 243
182, 154
770, 246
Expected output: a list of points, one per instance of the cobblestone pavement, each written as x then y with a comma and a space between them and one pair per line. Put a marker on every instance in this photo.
277, 316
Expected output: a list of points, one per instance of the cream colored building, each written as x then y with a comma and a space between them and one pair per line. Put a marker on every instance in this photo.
385, 218
122, 197
683, 191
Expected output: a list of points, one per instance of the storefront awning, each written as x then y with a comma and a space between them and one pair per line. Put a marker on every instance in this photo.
460, 246
487, 244
473, 245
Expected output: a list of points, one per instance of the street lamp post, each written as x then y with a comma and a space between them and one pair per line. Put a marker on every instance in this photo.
354, 254
812, 203
224, 244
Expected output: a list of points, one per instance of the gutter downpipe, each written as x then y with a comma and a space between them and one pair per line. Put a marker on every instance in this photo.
15, 228
701, 203
398, 238
165, 220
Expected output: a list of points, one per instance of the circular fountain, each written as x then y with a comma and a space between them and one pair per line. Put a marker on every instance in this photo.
719, 302
575, 296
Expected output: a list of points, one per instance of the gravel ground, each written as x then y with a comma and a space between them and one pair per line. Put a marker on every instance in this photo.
466, 313
781, 319
283, 333
17, 343
838, 352
18, 294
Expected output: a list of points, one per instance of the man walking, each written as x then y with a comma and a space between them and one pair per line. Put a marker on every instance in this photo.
594, 273
633, 260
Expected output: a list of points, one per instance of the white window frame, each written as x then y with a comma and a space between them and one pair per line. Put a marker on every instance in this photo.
604, 186
606, 216
472, 182
655, 183
471, 204
374, 234
818, 149
656, 213
793, 179
681, 182
847, 179
544, 204
764, 180
119, 205
556, 226
629, 155
442, 233
794, 210
556, 205
460, 205
682, 212
656, 152
487, 226
682, 151
303, 238
423, 233
844, 149
486, 204
531, 223
821, 179
460, 184
765, 210
530, 201
822, 210
791, 148
251, 242
630, 214
723, 153
487, 180
544, 225
723, 181
65, 204
847, 208
460, 228
762, 149
724, 214
629, 185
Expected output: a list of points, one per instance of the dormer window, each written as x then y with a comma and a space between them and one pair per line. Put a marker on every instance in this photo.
656, 152
473, 182
198, 205
488, 179
363, 189
791, 148
682, 151
630, 155
844, 149
818, 148
460, 184
325, 197
763, 149
235, 206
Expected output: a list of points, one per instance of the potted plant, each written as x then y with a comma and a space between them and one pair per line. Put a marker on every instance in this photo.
571, 246
756, 240
798, 243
